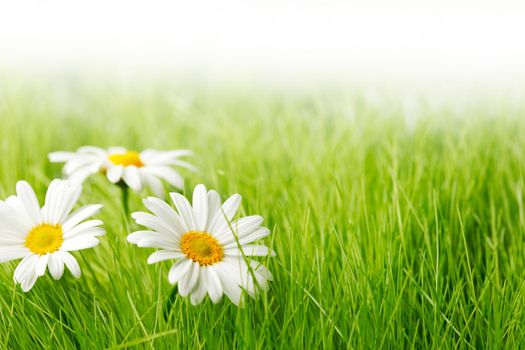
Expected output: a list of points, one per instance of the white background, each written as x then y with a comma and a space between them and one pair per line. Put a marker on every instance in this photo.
276, 40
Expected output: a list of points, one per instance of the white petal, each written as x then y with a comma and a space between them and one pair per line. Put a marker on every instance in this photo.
92, 150
147, 155
26, 266
89, 232
185, 211
178, 270
151, 157
200, 206
227, 212
183, 164
158, 241
41, 265
25, 273
78, 170
29, 281
60, 157
73, 192
136, 236
61, 196
50, 208
241, 228
250, 250
71, 263
29, 201
9, 238
260, 268
162, 255
80, 175
245, 276
114, 173
156, 223
170, 175
80, 215
83, 227
247, 281
80, 162
14, 217
261, 274
56, 266
166, 213
13, 252
231, 205
214, 209
187, 282
78, 243
155, 184
132, 178
214, 285
199, 290
255, 235
230, 281
117, 150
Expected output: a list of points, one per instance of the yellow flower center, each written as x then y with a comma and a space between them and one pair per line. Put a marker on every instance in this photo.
44, 238
201, 247
126, 159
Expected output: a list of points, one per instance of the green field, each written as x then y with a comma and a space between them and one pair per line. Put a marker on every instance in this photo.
389, 232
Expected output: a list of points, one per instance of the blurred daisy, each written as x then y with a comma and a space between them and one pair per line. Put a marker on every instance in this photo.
43, 237
209, 247
136, 170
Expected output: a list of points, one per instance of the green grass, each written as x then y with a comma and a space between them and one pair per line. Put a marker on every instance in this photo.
388, 234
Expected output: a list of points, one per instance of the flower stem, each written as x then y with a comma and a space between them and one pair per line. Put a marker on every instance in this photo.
125, 205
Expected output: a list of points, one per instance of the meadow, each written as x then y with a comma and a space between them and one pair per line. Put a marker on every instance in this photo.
393, 227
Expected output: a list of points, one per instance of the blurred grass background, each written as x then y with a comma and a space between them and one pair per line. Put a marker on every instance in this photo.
398, 222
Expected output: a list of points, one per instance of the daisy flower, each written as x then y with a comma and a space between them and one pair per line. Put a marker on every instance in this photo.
43, 237
136, 170
210, 249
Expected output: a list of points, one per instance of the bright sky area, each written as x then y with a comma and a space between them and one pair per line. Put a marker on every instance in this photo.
271, 39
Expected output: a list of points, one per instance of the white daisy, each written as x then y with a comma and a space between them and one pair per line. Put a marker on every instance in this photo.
205, 242
43, 237
136, 170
